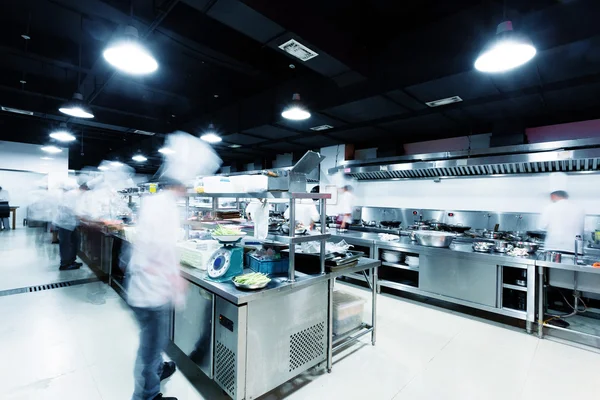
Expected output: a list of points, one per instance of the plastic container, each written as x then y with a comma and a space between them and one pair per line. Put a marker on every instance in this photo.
347, 312
269, 267
196, 253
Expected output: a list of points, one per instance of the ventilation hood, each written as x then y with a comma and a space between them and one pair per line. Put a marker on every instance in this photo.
564, 156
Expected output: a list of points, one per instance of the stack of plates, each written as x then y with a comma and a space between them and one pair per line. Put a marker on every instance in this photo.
412, 261
391, 256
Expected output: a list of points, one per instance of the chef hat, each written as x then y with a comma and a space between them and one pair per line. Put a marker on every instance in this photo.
189, 158
558, 182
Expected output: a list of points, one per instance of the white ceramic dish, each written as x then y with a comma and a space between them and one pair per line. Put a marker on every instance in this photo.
229, 238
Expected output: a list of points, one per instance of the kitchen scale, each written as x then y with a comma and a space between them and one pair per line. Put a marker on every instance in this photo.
226, 262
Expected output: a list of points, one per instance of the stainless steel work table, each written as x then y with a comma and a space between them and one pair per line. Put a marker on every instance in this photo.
568, 263
254, 341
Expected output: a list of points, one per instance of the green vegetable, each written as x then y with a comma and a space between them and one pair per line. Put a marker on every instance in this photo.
253, 278
224, 231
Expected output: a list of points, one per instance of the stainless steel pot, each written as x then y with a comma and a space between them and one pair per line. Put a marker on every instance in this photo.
493, 235
529, 246
434, 238
483, 247
502, 246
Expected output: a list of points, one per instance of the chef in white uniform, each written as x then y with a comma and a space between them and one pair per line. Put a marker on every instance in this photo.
154, 283
562, 219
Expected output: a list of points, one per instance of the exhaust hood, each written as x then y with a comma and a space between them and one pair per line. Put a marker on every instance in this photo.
565, 156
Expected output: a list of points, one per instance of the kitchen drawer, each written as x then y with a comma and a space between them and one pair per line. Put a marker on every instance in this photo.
467, 280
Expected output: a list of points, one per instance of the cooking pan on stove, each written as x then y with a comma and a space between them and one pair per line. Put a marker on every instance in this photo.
391, 224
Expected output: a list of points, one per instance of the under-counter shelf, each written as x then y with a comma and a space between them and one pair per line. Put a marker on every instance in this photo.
399, 266
514, 287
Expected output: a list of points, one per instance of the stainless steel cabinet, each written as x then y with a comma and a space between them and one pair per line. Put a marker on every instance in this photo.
194, 330
454, 277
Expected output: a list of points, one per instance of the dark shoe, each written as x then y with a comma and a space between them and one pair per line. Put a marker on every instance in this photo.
69, 267
160, 397
168, 369
78, 263
55, 242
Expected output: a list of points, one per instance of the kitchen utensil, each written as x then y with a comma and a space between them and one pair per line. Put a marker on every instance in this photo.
537, 234
225, 263
529, 246
458, 228
437, 225
483, 247
517, 236
502, 246
434, 238
521, 282
493, 234
553, 256
390, 224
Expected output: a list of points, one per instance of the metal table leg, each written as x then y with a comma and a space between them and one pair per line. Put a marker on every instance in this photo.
541, 302
530, 298
374, 275
330, 330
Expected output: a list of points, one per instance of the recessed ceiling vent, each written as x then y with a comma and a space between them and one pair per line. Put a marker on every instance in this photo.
321, 127
298, 50
146, 133
443, 102
17, 111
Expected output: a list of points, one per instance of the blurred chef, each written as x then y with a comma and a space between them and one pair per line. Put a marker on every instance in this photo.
306, 213
562, 219
345, 204
67, 221
154, 284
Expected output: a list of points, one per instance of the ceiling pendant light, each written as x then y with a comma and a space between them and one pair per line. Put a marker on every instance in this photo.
139, 158
62, 134
129, 56
210, 136
506, 51
76, 107
51, 149
166, 151
295, 111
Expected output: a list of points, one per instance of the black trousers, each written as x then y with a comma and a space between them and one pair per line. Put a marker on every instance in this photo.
68, 246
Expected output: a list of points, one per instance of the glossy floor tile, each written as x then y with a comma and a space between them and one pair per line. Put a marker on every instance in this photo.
80, 343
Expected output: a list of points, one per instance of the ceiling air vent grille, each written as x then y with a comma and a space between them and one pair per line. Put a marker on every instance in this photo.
443, 102
146, 133
298, 50
321, 127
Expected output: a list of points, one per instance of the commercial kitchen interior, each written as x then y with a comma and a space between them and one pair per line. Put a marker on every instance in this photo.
401, 111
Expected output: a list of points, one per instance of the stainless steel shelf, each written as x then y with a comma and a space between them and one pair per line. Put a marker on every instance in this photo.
264, 195
399, 266
514, 287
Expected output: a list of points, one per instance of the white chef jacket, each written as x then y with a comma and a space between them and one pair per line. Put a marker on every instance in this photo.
562, 221
154, 267
345, 204
305, 212
66, 212
4, 195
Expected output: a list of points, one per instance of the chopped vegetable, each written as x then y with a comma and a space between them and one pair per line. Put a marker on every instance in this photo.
253, 278
224, 231
596, 265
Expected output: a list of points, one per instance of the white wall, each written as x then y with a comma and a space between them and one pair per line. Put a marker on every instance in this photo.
510, 194
21, 165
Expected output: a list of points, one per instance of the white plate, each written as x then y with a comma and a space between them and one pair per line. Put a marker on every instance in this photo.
229, 238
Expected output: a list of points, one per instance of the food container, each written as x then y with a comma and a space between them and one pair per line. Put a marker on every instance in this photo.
529, 246
434, 238
483, 247
502, 246
269, 267
347, 312
391, 256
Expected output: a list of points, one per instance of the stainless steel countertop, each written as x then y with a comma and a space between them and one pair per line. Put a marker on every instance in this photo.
568, 263
276, 287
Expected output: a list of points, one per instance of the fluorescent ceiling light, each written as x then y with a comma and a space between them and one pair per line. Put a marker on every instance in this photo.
77, 108
166, 151
443, 102
46, 158
295, 111
298, 50
129, 56
507, 51
17, 111
321, 127
62, 136
145, 133
235, 146
211, 138
139, 158
51, 149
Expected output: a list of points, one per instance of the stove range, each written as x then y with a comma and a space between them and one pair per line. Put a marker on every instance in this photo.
374, 229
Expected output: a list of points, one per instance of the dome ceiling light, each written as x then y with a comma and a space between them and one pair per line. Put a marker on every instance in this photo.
295, 111
210, 136
508, 50
129, 55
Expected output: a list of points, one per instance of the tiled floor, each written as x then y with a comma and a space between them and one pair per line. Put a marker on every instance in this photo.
80, 342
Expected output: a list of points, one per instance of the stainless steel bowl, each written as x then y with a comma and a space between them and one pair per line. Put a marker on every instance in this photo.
503, 246
434, 238
483, 247
529, 246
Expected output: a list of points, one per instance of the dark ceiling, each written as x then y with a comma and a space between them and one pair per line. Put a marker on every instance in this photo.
379, 62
